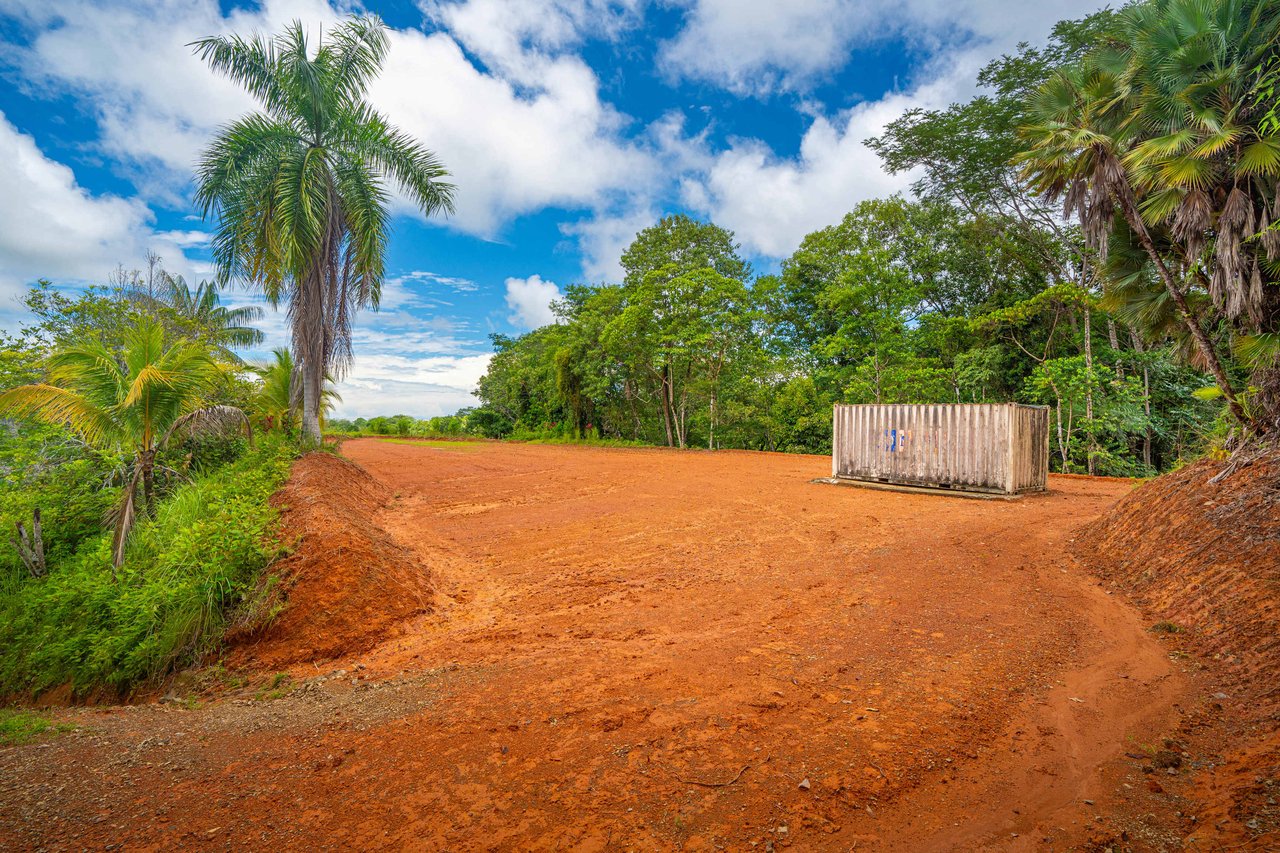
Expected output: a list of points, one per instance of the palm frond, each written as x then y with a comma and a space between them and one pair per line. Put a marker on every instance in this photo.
252, 63
1261, 157
122, 517
210, 420
58, 405
1259, 351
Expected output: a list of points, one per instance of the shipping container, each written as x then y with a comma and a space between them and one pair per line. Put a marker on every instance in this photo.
981, 447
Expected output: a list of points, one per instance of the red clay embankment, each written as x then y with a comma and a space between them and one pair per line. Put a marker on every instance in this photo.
1205, 557
347, 585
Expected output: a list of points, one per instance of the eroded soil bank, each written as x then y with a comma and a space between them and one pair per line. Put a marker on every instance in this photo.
1199, 550
646, 649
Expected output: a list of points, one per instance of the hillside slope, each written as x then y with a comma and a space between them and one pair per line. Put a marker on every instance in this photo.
1199, 550
347, 585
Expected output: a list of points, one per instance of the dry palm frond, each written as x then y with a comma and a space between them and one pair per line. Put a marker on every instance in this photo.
1192, 221
209, 421
1255, 299
1237, 212
122, 517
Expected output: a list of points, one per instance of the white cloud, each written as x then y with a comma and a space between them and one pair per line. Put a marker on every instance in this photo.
761, 46
528, 133
52, 227
186, 239
453, 282
510, 150
421, 387
407, 364
772, 202
512, 35
404, 363
602, 240
530, 301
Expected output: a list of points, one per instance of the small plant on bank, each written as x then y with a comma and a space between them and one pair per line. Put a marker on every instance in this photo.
19, 727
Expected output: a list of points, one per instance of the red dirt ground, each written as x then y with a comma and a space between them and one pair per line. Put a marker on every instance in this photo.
648, 649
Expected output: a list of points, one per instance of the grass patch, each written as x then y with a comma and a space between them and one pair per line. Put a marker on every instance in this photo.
1167, 628
535, 438
279, 686
19, 727
434, 443
186, 568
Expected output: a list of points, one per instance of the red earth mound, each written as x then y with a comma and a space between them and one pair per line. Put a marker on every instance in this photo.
346, 586
1199, 549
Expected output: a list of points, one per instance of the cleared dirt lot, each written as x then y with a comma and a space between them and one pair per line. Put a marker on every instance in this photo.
645, 649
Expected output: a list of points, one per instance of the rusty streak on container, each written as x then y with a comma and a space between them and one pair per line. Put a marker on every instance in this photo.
980, 447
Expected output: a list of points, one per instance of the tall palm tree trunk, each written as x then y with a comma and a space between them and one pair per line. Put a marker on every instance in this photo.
1129, 209
311, 405
309, 331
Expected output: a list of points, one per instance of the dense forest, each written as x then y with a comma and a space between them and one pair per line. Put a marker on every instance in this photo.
1092, 234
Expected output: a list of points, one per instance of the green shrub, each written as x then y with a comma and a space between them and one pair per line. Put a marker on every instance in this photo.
185, 569
18, 727
43, 466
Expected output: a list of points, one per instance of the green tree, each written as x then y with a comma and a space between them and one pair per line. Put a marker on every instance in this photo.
300, 189
680, 245
134, 401
277, 396
201, 316
1153, 134
683, 327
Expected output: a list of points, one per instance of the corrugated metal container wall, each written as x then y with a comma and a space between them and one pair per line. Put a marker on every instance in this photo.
983, 447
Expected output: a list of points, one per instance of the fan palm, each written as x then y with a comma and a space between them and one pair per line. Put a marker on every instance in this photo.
277, 397
1155, 130
300, 189
203, 317
134, 402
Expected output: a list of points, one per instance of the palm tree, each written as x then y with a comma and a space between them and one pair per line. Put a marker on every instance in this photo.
1153, 138
202, 316
300, 189
277, 397
133, 401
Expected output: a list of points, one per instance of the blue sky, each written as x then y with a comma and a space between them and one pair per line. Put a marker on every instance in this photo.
567, 124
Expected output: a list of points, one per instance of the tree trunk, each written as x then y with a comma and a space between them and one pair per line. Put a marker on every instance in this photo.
1062, 442
1146, 406
1114, 340
147, 460
1147, 438
682, 430
1129, 207
630, 393
711, 433
311, 405
1090, 452
666, 403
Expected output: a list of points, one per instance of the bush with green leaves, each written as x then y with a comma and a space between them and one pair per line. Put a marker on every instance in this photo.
45, 467
185, 570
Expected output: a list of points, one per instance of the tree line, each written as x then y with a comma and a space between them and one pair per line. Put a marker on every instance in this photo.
1095, 233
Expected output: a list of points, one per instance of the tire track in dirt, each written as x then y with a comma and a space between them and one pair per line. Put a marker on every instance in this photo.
646, 649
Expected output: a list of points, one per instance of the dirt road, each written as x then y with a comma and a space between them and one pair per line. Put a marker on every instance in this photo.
645, 649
